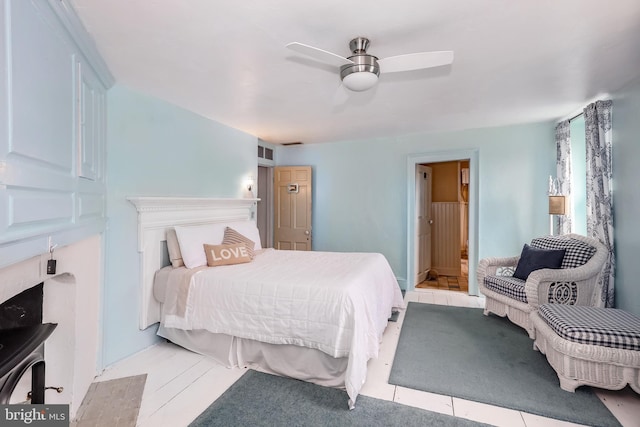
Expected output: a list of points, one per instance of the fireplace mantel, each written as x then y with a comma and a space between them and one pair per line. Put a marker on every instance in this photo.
155, 216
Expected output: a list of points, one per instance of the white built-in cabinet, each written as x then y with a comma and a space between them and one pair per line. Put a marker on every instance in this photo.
53, 129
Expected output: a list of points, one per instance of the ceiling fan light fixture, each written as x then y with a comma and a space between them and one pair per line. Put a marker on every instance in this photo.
362, 74
360, 81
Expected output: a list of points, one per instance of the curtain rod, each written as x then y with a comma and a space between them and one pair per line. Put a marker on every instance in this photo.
576, 116
571, 117
581, 110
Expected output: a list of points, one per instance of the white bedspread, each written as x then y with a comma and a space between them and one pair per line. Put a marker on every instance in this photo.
337, 303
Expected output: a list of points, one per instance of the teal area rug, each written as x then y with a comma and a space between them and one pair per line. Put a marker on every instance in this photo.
259, 399
460, 352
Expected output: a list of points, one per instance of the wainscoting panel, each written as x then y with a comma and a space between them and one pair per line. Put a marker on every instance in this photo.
27, 207
445, 242
90, 205
42, 88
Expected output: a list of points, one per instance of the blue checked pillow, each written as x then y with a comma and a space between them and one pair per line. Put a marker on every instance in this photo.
577, 252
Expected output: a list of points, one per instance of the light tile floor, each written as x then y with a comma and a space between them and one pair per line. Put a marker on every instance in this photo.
181, 384
450, 283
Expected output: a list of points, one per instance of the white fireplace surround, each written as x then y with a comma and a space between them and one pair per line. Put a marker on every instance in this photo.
72, 300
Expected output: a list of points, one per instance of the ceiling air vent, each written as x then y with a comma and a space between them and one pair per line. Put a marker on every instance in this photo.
292, 143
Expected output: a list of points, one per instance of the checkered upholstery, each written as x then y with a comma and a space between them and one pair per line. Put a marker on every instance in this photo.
606, 327
507, 285
577, 252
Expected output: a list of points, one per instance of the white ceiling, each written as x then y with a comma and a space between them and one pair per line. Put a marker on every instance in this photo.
515, 61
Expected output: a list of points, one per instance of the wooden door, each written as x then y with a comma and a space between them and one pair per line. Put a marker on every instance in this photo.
423, 221
292, 208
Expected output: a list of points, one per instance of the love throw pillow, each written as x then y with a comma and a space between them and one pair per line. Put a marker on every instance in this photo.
226, 254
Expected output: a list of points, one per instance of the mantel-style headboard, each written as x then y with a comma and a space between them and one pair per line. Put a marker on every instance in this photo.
155, 216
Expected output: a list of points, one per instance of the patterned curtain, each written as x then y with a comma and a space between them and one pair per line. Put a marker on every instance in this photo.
563, 223
597, 119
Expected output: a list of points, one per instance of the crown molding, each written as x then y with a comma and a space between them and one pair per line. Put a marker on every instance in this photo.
155, 204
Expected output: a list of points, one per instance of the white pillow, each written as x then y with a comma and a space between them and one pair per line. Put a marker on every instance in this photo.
192, 239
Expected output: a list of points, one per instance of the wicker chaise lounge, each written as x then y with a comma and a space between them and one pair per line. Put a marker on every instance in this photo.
574, 283
592, 346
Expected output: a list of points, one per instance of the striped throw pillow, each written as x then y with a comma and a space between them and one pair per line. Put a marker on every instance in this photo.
232, 237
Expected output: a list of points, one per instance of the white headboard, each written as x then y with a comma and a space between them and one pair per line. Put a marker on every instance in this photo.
155, 216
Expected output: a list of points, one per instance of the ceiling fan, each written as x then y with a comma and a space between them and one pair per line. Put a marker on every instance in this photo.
360, 71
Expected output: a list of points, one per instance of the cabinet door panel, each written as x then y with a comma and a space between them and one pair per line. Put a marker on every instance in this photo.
90, 205
42, 92
27, 207
90, 126
4, 89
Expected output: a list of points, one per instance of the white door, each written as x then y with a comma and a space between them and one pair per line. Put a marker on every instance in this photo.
423, 222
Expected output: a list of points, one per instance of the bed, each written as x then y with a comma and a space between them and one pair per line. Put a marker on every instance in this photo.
314, 316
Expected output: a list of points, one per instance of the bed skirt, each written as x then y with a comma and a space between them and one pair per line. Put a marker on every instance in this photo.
288, 360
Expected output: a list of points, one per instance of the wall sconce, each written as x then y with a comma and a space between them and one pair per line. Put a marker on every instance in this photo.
248, 185
464, 176
464, 184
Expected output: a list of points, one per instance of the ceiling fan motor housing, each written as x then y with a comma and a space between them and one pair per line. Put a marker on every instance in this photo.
359, 45
362, 63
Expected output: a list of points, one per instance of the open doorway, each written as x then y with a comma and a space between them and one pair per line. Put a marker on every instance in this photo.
264, 219
449, 226
413, 160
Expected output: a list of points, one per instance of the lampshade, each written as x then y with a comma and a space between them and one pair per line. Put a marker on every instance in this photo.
557, 205
360, 81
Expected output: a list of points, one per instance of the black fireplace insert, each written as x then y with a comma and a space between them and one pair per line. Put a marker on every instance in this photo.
22, 336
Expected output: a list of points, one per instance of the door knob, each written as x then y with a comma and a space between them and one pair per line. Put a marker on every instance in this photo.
306, 232
430, 221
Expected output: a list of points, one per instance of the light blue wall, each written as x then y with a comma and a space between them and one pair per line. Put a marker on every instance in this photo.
360, 188
626, 198
157, 149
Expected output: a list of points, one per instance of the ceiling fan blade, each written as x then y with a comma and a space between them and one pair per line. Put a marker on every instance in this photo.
415, 61
319, 54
